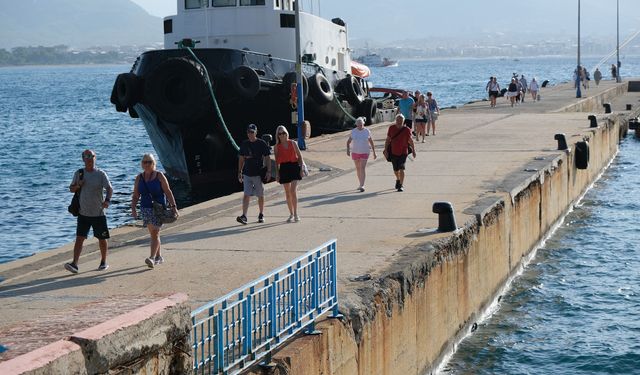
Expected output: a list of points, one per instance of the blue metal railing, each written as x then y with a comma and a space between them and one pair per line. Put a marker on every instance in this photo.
242, 327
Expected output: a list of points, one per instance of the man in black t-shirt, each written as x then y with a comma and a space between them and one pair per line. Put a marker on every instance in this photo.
254, 166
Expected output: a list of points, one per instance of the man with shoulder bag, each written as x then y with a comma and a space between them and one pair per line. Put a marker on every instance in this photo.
397, 146
95, 195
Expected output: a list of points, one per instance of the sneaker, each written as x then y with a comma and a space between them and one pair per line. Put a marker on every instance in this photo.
149, 261
400, 188
158, 260
103, 266
290, 219
242, 219
361, 189
398, 184
261, 218
71, 267
296, 218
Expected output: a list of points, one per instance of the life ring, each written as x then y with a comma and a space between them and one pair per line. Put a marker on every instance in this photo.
176, 90
290, 78
582, 155
245, 81
351, 87
320, 88
368, 109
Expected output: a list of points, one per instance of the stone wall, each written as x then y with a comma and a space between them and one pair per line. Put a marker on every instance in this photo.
407, 321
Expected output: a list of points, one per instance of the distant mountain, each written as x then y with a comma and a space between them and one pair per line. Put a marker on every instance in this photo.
76, 23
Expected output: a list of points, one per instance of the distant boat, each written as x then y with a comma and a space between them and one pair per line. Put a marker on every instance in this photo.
373, 59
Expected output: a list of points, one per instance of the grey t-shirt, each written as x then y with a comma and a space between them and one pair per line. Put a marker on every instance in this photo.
92, 192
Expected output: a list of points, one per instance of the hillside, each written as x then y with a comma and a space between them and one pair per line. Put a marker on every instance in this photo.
76, 23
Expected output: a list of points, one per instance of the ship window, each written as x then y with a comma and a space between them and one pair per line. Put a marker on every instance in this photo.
287, 20
251, 2
277, 6
194, 4
168, 26
224, 3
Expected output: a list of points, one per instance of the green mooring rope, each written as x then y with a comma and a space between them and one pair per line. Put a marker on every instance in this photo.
213, 97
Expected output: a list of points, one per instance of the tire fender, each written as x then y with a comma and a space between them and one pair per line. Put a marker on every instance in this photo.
245, 81
320, 88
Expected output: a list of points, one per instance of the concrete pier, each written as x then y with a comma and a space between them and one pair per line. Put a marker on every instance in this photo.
500, 168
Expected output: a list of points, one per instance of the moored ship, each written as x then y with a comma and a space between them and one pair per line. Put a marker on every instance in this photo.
195, 103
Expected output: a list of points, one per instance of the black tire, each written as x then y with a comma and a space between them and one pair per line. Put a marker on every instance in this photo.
177, 91
133, 113
351, 87
368, 109
582, 155
502, 92
320, 88
245, 82
128, 89
545, 83
290, 78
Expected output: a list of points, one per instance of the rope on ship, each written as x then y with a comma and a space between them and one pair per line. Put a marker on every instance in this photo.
213, 96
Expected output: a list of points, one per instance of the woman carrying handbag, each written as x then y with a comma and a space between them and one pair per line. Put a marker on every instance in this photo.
151, 186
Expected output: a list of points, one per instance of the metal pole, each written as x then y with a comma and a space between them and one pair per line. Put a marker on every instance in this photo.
618, 41
301, 144
578, 92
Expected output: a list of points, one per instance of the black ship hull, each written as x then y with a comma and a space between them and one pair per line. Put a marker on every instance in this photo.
192, 130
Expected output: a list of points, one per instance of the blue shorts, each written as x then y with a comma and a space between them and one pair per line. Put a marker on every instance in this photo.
149, 218
98, 223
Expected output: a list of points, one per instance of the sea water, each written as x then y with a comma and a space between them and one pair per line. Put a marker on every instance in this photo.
575, 309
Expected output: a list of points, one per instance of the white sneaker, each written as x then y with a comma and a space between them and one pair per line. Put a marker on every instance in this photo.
158, 260
149, 261
290, 219
296, 218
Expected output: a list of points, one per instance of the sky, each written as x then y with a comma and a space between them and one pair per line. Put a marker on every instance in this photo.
387, 20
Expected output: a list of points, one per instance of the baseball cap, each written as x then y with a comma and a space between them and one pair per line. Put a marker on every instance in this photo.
252, 128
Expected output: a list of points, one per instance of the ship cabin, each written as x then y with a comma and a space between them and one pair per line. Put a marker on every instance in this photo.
263, 26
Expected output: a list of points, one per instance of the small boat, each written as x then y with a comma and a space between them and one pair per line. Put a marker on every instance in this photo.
373, 59
229, 63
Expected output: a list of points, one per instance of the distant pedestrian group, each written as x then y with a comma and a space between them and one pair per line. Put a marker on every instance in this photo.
515, 92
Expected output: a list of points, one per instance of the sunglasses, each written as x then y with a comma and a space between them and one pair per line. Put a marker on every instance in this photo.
147, 162
281, 133
88, 156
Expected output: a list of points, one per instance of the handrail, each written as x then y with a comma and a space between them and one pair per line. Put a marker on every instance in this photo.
240, 328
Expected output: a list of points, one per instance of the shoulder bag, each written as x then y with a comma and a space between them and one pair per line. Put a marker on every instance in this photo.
387, 153
74, 207
163, 213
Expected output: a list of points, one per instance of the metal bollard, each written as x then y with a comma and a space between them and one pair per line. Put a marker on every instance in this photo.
594, 121
629, 107
446, 217
562, 141
607, 107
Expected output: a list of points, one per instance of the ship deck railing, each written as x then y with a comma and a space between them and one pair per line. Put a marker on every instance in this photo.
245, 326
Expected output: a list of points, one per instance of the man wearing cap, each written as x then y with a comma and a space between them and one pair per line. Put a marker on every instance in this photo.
254, 166
92, 183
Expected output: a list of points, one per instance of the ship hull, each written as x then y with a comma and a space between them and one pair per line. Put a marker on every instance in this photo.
194, 132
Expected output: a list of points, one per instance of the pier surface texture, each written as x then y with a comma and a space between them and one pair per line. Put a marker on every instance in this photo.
407, 292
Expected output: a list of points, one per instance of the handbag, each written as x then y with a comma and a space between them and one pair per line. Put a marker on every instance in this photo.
163, 213
74, 207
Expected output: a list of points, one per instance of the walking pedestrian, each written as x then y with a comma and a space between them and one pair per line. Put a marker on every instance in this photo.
254, 167
289, 169
151, 186
614, 72
396, 149
512, 91
95, 195
405, 107
434, 113
534, 88
421, 118
362, 144
494, 90
597, 76
523, 82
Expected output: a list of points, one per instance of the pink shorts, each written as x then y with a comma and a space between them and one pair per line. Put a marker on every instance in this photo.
356, 156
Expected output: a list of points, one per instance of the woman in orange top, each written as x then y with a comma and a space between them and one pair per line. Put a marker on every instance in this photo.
289, 169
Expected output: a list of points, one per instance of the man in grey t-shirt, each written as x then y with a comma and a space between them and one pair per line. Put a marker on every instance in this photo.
92, 183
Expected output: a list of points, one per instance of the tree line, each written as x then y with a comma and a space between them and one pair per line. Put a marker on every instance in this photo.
57, 55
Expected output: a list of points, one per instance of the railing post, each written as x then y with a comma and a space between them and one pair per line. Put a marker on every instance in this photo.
272, 307
211, 331
220, 337
247, 324
295, 296
315, 283
334, 280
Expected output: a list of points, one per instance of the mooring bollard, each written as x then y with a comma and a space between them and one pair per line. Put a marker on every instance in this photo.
446, 217
562, 141
594, 121
607, 107
629, 107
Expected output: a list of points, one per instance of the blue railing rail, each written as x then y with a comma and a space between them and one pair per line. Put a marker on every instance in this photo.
240, 328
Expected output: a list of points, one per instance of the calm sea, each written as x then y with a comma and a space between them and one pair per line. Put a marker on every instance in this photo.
575, 309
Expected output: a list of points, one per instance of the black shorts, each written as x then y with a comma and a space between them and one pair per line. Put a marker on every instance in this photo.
98, 223
398, 162
289, 172
493, 94
408, 123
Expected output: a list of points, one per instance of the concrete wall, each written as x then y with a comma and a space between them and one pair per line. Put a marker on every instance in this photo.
405, 322
154, 339
595, 103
